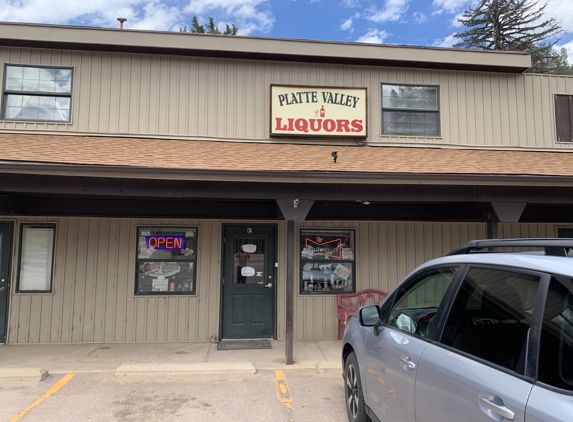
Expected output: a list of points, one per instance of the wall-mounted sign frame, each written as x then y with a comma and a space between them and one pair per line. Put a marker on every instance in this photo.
316, 111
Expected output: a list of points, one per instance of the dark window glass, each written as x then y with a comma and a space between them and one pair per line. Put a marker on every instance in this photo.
491, 316
37, 93
166, 261
417, 301
556, 349
327, 261
410, 110
564, 117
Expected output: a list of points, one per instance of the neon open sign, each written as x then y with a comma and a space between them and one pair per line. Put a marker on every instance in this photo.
165, 242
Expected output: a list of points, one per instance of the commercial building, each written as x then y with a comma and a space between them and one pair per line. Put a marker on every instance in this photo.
173, 187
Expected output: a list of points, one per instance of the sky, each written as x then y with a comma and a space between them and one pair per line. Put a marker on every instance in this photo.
403, 22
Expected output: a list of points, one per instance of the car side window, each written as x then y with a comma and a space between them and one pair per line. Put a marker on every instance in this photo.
417, 301
491, 316
556, 348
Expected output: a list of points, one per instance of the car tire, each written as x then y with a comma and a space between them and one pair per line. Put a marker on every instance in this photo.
354, 397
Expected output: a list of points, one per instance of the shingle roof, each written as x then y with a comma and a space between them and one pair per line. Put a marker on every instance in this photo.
250, 156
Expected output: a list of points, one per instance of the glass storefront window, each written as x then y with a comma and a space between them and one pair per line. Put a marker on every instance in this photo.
166, 261
327, 261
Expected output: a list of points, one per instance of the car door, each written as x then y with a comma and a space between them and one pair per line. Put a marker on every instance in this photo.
477, 372
391, 356
551, 399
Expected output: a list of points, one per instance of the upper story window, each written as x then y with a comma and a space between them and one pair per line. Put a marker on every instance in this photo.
410, 110
37, 93
564, 117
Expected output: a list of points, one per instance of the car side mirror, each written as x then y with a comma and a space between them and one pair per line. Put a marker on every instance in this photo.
370, 316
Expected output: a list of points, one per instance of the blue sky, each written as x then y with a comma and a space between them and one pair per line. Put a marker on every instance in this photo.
413, 22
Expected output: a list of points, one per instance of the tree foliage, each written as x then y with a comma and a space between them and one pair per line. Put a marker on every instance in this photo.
209, 28
515, 25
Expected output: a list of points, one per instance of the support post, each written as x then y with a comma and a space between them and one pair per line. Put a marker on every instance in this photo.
290, 294
492, 229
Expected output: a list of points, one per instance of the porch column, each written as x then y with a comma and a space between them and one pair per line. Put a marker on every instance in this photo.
293, 210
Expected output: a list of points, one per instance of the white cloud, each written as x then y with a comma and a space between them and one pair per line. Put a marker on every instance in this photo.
420, 17
347, 25
350, 3
448, 41
561, 10
373, 36
248, 15
450, 6
393, 10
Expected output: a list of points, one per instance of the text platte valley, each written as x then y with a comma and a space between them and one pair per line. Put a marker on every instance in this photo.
318, 111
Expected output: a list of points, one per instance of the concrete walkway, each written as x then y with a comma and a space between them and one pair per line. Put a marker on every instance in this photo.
19, 361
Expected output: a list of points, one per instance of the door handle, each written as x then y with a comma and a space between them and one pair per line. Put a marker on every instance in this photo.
268, 286
496, 408
406, 361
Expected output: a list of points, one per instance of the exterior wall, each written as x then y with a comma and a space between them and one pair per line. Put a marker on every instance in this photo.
147, 95
94, 274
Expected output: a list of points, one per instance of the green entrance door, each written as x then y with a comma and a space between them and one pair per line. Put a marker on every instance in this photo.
5, 250
249, 278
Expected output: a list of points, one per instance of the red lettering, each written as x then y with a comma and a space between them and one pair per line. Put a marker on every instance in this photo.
357, 126
301, 125
152, 242
169, 243
160, 241
329, 125
290, 122
343, 125
279, 123
178, 243
316, 128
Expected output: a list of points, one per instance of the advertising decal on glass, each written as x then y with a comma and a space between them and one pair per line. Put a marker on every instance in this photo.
166, 262
327, 261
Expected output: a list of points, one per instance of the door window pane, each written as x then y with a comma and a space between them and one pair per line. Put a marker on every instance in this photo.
249, 260
556, 349
417, 301
491, 316
36, 258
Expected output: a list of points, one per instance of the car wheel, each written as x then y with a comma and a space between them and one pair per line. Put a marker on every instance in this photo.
353, 391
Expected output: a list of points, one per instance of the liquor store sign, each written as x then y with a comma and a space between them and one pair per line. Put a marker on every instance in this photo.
318, 111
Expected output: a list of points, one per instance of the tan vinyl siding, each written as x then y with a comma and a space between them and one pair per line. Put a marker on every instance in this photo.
93, 293
93, 290
148, 95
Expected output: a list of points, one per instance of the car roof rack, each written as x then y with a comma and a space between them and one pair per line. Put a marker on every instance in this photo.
552, 246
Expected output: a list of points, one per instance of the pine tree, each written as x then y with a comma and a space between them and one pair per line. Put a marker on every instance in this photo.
209, 28
512, 25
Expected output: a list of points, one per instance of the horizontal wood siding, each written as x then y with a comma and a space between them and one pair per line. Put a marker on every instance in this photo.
93, 290
229, 99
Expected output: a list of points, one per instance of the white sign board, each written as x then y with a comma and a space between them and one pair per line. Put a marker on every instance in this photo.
247, 271
250, 248
318, 111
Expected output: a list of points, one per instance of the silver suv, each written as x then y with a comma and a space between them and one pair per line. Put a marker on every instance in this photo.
472, 336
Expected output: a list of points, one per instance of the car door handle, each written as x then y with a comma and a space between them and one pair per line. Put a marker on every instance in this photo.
496, 408
406, 361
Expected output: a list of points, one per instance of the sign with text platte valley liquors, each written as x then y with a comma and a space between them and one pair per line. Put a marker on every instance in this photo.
318, 111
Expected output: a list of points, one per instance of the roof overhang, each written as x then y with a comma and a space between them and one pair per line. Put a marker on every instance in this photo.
257, 48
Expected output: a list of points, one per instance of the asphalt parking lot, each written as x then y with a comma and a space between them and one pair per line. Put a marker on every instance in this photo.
268, 395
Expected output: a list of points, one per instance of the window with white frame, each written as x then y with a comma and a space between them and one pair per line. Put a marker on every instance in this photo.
410, 110
37, 93
36, 258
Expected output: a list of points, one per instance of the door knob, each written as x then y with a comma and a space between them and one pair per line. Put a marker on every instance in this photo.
2, 289
268, 286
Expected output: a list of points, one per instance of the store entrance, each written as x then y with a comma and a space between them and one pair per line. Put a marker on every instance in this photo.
5, 250
249, 280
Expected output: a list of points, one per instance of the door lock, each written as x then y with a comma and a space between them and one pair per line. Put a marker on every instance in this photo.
2, 289
3, 281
